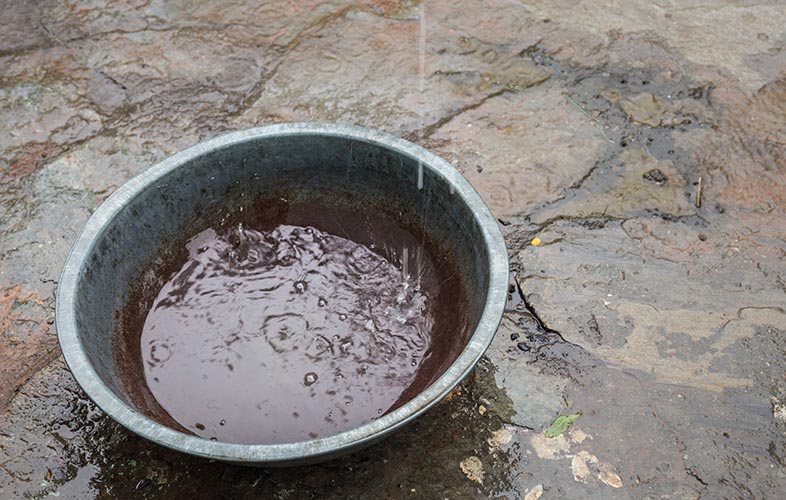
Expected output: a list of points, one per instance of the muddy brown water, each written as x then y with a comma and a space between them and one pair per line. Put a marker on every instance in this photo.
270, 330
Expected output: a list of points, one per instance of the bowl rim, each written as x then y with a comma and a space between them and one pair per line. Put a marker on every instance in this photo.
301, 451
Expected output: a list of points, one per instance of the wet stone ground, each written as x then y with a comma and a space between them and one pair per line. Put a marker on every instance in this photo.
587, 126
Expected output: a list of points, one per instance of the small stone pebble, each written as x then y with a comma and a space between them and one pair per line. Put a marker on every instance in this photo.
144, 483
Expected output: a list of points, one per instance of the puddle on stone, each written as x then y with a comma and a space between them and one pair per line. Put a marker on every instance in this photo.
272, 330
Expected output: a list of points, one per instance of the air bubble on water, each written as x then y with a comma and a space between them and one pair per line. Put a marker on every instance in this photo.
310, 378
160, 352
342, 316
322, 302
414, 363
214, 438
223, 422
300, 286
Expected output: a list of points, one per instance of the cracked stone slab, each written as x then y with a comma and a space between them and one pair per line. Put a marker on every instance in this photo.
365, 68
684, 25
522, 149
633, 183
653, 281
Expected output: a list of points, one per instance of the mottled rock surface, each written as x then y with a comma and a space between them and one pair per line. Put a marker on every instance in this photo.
586, 125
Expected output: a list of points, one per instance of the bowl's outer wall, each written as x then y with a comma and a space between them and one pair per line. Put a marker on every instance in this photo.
123, 242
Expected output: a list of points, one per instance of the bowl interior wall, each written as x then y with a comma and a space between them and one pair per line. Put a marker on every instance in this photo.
263, 181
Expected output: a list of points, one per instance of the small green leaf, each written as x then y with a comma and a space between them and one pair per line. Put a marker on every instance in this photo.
561, 424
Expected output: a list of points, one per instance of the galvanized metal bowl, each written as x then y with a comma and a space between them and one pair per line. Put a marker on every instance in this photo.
124, 234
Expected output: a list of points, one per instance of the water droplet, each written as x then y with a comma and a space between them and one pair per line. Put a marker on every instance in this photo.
199, 426
414, 363
322, 302
310, 378
300, 286
342, 316
223, 422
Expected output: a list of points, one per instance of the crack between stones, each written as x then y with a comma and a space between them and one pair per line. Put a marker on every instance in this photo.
514, 424
578, 218
541, 324
429, 130
695, 476
28, 373
256, 91
580, 182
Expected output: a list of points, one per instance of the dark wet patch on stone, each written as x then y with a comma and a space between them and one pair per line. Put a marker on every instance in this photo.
683, 346
656, 176
593, 223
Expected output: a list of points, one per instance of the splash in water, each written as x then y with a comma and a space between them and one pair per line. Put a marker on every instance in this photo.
285, 335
